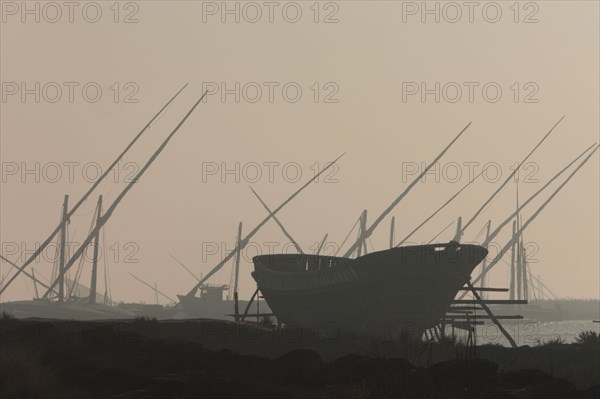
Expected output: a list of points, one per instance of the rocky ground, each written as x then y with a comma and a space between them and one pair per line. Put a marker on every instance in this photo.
146, 359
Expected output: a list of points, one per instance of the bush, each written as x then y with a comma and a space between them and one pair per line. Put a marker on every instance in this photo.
588, 338
7, 316
552, 342
145, 319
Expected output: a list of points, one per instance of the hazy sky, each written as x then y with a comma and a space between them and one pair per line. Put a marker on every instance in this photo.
382, 81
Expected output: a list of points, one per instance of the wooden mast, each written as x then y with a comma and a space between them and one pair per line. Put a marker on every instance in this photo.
371, 228
93, 282
392, 228
237, 274
288, 235
483, 264
123, 193
536, 213
514, 239
322, 244
458, 233
362, 233
519, 255
258, 227
532, 197
512, 263
87, 194
524, 269
509, 177
37, 294
439, 209
62, 251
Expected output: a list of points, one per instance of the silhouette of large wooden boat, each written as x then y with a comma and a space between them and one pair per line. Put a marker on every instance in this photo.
404, 289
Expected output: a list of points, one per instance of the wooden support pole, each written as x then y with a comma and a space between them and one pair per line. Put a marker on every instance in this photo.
248, 306
484, 263
362, 234
489, 312
37, 294
512, 264
322, 244
519, 272
524, 271
237, 273
93, 283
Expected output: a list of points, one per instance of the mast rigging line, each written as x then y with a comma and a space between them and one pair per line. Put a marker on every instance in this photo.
184, 266
156, 290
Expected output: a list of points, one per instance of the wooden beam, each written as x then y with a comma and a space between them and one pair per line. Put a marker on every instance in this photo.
489, 312
487, 317
489, 289
94, 277
237, 274
248, 306
490, 301
465, 308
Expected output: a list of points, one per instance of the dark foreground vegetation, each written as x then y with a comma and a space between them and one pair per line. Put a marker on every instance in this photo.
205, 359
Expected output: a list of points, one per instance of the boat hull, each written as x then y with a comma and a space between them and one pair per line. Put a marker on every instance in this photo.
398, 291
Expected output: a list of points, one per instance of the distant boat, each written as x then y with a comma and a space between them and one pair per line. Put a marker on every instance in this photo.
405, 289
211, 304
